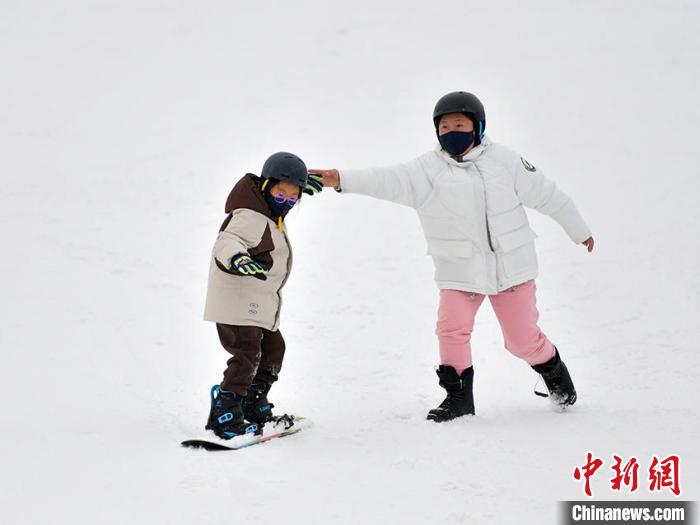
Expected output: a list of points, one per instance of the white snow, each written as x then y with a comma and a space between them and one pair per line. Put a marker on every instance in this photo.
124, 124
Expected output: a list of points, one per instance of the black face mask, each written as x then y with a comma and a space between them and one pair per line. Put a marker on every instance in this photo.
278, 209
455, 142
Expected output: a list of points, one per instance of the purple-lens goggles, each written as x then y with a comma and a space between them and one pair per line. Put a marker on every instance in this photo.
281, 199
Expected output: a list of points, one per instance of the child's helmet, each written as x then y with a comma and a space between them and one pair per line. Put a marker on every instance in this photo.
462, 102
286, 166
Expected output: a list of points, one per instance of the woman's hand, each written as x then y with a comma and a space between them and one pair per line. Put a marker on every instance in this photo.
588, 243
330, 177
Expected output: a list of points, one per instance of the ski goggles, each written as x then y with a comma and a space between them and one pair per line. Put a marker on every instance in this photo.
281, 199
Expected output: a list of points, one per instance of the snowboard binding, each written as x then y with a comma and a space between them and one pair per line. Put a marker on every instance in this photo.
256, 407
226, 418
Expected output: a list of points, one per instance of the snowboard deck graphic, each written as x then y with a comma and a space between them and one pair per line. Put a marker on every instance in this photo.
280, 427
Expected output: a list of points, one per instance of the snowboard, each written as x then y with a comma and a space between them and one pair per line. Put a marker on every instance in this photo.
279, 427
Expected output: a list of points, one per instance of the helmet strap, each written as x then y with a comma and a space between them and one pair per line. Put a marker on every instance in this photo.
479, 134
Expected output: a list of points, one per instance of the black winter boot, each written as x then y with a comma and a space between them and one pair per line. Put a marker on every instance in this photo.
256, 407
460, 398
226, 414
556, 377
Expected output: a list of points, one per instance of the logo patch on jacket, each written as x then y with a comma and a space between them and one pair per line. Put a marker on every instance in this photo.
528, 166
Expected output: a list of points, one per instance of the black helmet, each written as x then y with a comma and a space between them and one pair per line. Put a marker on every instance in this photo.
462, 102
286, 166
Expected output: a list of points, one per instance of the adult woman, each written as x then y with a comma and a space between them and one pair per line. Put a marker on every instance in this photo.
469, 194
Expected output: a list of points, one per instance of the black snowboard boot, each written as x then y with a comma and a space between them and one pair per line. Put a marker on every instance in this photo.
556, 377
460, 398
226, 415
256, 407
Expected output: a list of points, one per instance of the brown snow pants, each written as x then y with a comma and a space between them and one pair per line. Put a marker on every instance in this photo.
257, 356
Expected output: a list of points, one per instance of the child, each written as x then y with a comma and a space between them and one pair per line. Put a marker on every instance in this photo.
469, 194
250, 263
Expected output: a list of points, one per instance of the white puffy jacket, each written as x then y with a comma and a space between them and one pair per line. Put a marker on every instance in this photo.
472, 212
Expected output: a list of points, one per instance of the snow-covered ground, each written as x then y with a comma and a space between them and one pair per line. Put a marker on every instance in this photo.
123, 125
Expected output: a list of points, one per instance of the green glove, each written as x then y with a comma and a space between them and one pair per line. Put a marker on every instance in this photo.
247, 266
314, 185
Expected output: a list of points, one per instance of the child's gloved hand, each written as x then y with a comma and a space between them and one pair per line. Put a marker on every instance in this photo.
247, 266
314, 185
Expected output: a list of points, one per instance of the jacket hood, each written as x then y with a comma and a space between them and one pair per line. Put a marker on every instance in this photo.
246, 194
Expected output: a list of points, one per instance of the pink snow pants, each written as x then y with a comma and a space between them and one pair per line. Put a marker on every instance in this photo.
516, 312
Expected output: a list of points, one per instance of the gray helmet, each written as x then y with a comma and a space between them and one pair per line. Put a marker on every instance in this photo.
462, 102
286, 166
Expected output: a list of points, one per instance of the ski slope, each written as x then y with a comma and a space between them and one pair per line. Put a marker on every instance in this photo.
123, 126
